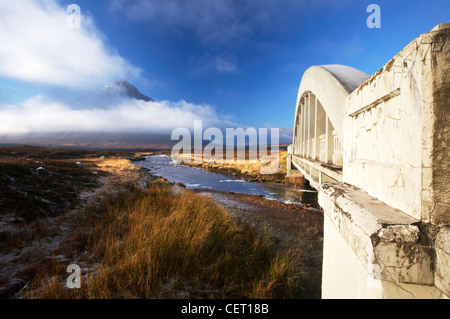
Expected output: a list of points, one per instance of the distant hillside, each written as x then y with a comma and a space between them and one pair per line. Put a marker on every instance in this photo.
92, 140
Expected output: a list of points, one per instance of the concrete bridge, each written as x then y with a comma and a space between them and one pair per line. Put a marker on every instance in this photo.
377, 150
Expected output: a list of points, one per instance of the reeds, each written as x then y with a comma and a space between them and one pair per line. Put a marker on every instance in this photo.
152, 243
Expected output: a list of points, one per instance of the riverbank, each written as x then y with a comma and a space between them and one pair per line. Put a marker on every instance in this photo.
289, 227
42, 192
251, 171
105, 223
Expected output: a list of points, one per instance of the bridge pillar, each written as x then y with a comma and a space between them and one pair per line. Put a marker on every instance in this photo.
316, 143
303, 128
308, 126
329, 143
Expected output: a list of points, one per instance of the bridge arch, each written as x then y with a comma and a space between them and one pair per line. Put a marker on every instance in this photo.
318, 128
395, 182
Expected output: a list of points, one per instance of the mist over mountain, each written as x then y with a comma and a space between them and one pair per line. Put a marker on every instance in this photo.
91, 140
123, 88
115, 116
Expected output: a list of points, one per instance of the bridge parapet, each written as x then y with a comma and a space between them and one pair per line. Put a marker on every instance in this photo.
381, 247
394, 132
384, 140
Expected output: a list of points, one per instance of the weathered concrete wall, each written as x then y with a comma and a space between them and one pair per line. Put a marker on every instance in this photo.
387, 226
372, 250
438, 210
344, 276
396, 130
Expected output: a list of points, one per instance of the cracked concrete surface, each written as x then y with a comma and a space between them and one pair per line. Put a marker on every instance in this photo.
380, 235
396, 162
392, 210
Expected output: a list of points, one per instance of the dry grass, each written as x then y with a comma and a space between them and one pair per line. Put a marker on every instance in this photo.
152, 243
135, 239
39, 182
38, 206
114, 165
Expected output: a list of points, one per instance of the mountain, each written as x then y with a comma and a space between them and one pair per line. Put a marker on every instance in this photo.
124, 88
91, 140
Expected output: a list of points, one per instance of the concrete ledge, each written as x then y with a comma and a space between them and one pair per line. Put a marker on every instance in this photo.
321, 167
379, 235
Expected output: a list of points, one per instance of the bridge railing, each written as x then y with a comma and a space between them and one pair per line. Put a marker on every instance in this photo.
337, 150
323, 148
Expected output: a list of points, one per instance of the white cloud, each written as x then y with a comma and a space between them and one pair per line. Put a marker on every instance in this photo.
37, 46
224, 66
39, 114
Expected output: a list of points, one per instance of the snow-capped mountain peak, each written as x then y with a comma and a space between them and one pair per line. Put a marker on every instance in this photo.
124, 88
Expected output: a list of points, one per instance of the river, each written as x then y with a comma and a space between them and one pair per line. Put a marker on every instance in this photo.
198, 178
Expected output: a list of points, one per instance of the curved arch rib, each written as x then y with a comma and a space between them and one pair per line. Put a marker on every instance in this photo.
331, 84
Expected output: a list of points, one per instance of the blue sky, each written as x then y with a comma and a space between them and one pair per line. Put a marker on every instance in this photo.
241, 61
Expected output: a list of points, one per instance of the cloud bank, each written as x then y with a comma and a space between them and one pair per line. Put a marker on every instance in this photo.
37, 46
39, 114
